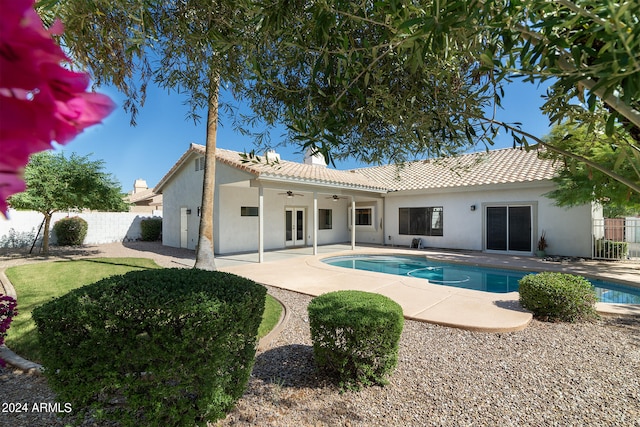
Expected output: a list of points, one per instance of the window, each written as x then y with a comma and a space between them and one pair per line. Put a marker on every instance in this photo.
200, 163
324, 219
364, 216
249, 211
420, 221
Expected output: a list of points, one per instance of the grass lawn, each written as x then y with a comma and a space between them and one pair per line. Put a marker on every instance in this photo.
36, 284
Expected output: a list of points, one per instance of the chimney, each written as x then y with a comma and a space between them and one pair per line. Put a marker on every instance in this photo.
271, 155
139, 185
314, 160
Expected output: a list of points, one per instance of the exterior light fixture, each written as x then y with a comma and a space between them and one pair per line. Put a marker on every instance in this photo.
473, 208
188, 211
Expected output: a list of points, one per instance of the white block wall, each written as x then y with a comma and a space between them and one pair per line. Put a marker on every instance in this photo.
104, 227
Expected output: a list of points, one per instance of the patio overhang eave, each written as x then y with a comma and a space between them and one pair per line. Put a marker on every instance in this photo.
313, 185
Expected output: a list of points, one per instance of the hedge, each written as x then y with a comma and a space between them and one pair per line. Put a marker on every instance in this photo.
70, 231
155, 347
151, 229
558, 296
355, 336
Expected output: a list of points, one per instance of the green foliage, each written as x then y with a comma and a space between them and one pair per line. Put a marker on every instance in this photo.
57, 183
191, 47
355, 336
387, 80
579, 183
610, 249
70, 231
350, 80
154, 348
558, 296
151, 229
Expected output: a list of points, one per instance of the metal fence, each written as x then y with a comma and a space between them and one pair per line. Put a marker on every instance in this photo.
616, 239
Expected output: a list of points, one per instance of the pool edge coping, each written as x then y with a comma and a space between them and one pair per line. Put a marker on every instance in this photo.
601, 307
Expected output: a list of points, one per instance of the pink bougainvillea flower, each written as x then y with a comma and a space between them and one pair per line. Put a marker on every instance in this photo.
10, 183
40, 100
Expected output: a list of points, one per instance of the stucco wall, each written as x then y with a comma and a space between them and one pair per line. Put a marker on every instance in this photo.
568, 231
240, 233
103, 227
184, 190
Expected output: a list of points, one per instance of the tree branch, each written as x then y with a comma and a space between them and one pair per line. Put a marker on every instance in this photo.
612, 100
631, 184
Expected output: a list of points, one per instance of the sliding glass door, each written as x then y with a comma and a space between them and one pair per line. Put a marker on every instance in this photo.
508, 228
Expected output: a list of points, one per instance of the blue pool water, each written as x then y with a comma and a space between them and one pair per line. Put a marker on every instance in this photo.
468, 276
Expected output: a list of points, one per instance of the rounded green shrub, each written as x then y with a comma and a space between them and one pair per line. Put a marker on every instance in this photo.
70, 231
151, 229
355, 336
172, 347
558, 296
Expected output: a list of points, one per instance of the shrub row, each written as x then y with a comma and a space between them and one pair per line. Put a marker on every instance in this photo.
154, 348
355, 336
70, 231
610, 249
558, 296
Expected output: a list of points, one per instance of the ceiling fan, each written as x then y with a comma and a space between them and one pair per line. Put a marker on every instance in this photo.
291, 194
335, 197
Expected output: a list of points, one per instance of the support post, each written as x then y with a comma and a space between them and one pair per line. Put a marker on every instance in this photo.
353, 223
260, 224
315, 223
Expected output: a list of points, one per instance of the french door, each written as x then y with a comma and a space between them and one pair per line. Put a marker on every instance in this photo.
508, 228
294, 229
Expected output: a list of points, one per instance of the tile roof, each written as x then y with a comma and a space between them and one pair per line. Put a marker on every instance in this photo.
140, 195
492, 167
299, 172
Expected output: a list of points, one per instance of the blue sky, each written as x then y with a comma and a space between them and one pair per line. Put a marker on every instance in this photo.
163, 133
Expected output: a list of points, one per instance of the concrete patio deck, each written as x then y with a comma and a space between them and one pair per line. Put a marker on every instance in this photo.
300, 271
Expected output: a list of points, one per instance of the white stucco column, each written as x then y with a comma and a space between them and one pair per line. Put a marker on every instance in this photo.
260, 224
353, 223
315, 223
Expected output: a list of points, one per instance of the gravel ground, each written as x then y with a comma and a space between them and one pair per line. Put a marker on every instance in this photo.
550, 374
547, 375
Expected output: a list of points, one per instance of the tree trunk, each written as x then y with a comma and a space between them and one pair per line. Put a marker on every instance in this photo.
45, 237
205, 259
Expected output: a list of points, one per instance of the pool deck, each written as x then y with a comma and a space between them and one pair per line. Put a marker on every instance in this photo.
300, 271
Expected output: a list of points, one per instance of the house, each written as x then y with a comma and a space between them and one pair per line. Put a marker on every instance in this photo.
143, 199
491, 201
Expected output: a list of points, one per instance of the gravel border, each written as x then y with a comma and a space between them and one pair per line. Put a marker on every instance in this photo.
550, 374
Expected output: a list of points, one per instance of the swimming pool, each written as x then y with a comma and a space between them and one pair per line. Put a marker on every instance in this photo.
468, 276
